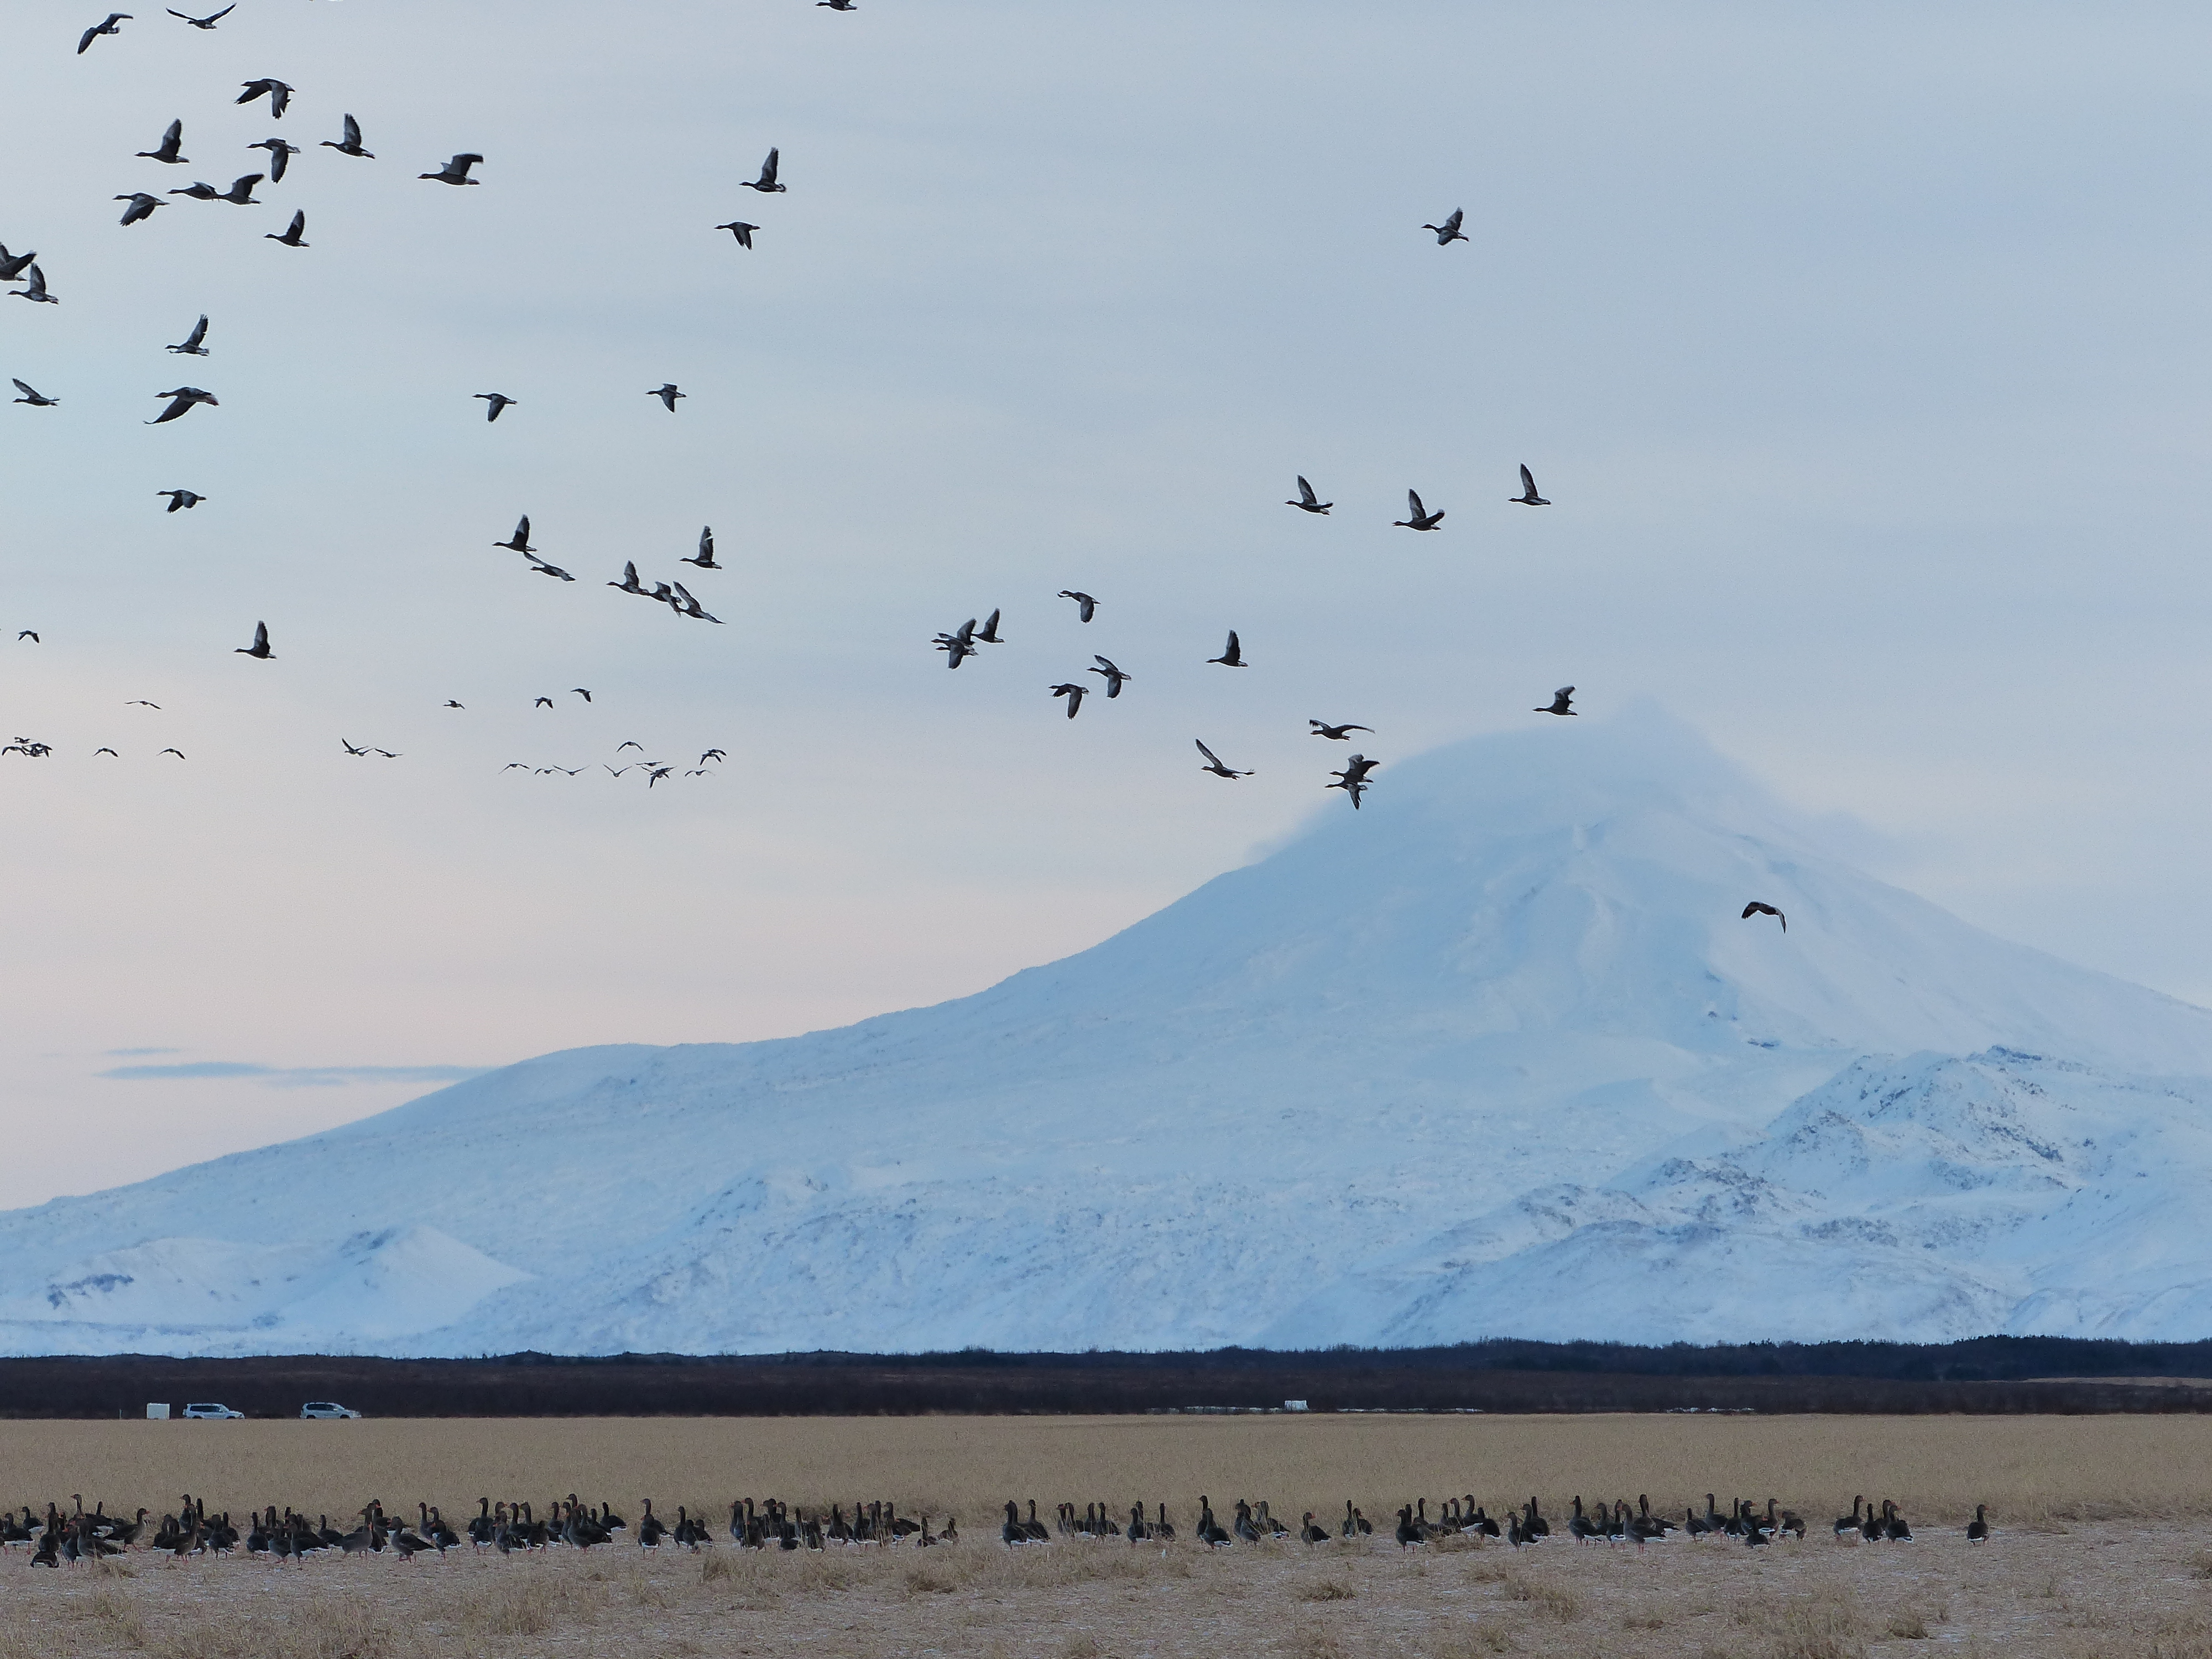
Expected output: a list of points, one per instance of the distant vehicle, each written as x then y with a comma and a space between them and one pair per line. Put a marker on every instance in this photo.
206, 1408
325, 1409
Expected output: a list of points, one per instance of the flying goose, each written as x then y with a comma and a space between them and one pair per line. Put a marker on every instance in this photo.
293, 232
1759, 907
1232, 655
1073, 693
1417, 516
766, 183
456, 171
1085, 606
1336, 733
351, 144
278, 94
1114, 677
1353, 779
688, 606
172, 140
13, 265
179, 500
260, 645
142, 206
181, 399
988, 633
1213, 762
210, 19
99, 29
519, 542
704, 558
959, 645
35, 288
1558, 704
1449, 232
1529, 497
1307, 501
240, 193
629, 584
741, 230
539, 567
280, 155
35, 399
496, 403
668, 394
192, 346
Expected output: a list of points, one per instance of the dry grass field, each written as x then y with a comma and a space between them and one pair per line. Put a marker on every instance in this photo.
2104, 1544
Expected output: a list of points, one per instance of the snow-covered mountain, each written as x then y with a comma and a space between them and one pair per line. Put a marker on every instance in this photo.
1493, 1056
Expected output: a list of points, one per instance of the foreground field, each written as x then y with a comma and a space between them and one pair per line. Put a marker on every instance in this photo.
2100, 1552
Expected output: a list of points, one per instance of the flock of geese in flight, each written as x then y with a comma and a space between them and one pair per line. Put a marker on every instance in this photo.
70, 1538
958, 645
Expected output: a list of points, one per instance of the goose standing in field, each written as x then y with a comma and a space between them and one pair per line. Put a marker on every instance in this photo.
1560, 699
1407, 1533
1417, 516
766, 184
1538, 1527
1013, 1531
495, 405
351, 143
1307, 501
99, 29
704, 558
1872, 1529
295, 233
456, 171
142, 206
1580, 1526
170, 149
1759, 908
1848, 1525
36, 399
1529, 497
1693, 1525
1893, 1524
1232, 654
1311, 1533
1978, 1530
1085, 606
1449, 232
279, 157
192, 346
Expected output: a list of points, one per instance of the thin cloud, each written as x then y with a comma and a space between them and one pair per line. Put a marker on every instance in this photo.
126, 1054
292, 1077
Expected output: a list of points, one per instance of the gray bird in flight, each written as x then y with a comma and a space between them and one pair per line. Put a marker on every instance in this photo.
36, 399
1529, 497
207, 22
668, 394
704, 558
1307, 501
1418, 517
766, 183
1233, 655
1213, 762
180, 401
518, 542
280, 155
351, 144
1757, 908
1449, 232
278, 94
179, 500
295, 233
539, 567
497, 402
13, 265
741, 230
1353, 779
193, 346
1322, 729
1559, 701
99, 29
35, 288
142, 206
1073, 693
171, 142
1085, 606
260, 645
456, 171
1114, 677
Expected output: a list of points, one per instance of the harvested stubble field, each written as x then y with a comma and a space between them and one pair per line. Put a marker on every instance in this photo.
2101, 1548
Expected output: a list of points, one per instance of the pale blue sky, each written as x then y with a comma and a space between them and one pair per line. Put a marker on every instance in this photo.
1863, 350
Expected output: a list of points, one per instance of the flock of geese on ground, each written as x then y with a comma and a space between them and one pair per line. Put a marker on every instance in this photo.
79, 1536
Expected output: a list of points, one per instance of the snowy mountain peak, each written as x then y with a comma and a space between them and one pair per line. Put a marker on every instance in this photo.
1496, 1056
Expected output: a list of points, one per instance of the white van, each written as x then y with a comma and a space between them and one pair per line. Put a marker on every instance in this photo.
208, 1409
326, 1409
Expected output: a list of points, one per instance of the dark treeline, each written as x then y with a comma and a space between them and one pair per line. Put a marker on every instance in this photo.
1986, 1375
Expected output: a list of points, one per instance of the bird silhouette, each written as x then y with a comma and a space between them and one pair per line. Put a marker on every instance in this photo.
766, 183
99, 29
959, 645
168, 151
495, 402
1232, 655
141, 702
629, 584
179, 753
260, 645
280, 155
1337, 732
518, 542
543, 702
1529, 497
1213, 762
23, 634
37, 399
540, 567
210, 19
199, 189
350, 749
293, 232
988, 633
712, 753
449, 703
668, 394
179, 500
351, 144
278, 94
1073, 693
741, 230
1114, 676
1757, 907
1085, 606
704, 558
142, 206
688, 606
97, 753
35, 288
455, 171
180, 400
1558, 704
1307, 501
842, 5
1353, 779
1418, 517
192, 346
1449, 232
13, 265
240, 193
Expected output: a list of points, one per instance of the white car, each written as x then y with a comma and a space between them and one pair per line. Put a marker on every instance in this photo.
325, 1409
208, 1409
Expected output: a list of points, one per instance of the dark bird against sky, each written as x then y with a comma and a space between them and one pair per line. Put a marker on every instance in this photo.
351, 143
181, 398
766, 183
99, 29
1307, 501
277, 92
169, 149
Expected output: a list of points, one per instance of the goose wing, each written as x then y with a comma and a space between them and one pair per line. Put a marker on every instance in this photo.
1213, 759
1414, 509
